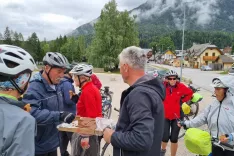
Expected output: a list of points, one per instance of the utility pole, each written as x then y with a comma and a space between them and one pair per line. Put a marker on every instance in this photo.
182, 56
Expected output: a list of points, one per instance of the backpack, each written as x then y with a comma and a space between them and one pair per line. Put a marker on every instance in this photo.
198, 141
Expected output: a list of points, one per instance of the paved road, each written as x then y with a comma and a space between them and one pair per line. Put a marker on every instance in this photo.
199, 78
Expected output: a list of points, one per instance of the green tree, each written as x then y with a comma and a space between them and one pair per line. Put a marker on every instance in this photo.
154, 47
53, 46
21, 38
81, 45
166, 43
7, 36
34, 47
60, 42
45, 47
114, 31
1, 38
64, 39
71, 50
16, 39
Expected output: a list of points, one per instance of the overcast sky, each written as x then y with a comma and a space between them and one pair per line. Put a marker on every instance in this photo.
50, 18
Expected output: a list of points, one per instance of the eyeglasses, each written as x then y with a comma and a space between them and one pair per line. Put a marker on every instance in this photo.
171, 78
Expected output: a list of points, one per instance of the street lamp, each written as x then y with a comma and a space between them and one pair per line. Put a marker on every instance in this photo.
182, 53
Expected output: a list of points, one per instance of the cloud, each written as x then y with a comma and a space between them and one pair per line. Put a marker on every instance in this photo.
50, 18
204, 10
231, 17
178, 22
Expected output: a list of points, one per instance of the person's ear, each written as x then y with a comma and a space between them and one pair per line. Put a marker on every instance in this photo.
125, 68
47, 68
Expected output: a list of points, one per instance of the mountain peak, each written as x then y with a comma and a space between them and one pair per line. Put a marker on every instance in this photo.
209, 15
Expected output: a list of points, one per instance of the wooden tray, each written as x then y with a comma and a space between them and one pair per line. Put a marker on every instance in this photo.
86, 126
84, 131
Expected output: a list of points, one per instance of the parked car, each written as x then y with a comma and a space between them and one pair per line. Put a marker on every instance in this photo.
231, 71
205, 68
152, 72
160, 73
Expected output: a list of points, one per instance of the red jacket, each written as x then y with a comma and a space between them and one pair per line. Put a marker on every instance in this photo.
96, 81
174, 95
90, 102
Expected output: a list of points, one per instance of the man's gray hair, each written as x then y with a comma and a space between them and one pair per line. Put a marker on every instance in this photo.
134, 57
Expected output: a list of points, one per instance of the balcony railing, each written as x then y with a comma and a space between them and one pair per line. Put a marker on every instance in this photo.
210, 58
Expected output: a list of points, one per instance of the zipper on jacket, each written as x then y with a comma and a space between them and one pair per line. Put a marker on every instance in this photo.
218, 119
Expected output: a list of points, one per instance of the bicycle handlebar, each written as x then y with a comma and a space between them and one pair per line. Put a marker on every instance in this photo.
117, 110
216, 140
194, 89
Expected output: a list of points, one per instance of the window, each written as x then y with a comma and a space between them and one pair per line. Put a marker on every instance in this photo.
206, 62
213, 54
206, 54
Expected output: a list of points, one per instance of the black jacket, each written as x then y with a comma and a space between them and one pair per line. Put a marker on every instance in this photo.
139, 129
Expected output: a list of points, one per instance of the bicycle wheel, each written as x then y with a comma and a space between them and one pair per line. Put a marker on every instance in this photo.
106, 111
104, 149
194, 108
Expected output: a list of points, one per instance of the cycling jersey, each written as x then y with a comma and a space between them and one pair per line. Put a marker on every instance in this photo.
174, 96
90, 102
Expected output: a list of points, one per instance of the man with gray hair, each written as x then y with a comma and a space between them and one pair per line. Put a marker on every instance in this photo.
139, 129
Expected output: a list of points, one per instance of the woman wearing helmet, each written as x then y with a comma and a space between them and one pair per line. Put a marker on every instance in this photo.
219, 115
88, 105
176, 93
17, 127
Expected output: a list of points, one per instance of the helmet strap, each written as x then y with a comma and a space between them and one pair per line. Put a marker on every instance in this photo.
81, 83
21, 91
48, 75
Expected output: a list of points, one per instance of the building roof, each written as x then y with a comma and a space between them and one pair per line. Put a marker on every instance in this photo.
227, 50
198, 49
170, 51
226, 59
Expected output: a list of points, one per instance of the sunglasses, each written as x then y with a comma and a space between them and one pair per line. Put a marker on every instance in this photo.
171, 78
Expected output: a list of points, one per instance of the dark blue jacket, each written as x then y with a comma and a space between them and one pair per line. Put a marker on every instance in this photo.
140, 126
46, 105
66, 86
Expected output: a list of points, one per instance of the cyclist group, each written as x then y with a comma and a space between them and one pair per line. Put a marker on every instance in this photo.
51, 95
149, 109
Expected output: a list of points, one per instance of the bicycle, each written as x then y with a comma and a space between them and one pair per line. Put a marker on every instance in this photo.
107, 144
106, 102
194, 107
216, 142
194, 102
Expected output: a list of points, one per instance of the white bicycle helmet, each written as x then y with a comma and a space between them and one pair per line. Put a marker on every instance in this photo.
55, 59
14, 61
216, 83
82, 69
16, 66
171, 73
